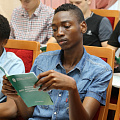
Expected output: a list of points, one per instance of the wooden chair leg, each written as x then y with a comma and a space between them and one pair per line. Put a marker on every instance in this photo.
117, 113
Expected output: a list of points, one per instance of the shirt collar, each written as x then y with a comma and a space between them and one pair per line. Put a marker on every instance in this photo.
89, 16
58, 61
80, 65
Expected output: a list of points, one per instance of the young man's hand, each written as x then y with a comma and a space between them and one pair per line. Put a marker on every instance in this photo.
54, 80
8, 89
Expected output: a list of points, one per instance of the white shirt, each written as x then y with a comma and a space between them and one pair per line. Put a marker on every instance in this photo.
12, 64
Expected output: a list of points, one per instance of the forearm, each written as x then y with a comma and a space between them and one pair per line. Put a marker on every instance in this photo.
8, 109
112, 47
76, 109
24, 111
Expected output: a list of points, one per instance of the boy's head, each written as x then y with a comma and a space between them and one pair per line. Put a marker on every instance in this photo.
4, 29
84, 5
30, 5
75, 11
68, 26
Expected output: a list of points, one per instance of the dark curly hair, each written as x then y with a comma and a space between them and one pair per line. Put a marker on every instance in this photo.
75, 11
4, 28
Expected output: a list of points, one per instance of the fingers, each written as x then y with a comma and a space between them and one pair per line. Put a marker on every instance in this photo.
4, 77
7, 87
45, 86
6, 82
44, 77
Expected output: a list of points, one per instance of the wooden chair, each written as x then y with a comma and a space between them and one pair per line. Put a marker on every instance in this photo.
26, 50
116, 84
108, 55
112, 15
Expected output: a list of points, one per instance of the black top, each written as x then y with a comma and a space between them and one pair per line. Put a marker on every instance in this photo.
115, 37
99, 29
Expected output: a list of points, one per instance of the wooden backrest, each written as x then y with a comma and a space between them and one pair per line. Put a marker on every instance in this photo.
112, 15
26, 50
108, 55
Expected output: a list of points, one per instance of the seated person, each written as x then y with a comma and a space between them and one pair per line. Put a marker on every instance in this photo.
13, 65
32, 22
114, 41
99, 28
75, 80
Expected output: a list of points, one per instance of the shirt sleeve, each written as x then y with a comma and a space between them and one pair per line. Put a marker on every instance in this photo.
98, 88
105, 29
49, 26
17, 67
115, 37
12, 36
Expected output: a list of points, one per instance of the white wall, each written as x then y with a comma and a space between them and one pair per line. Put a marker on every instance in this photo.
7, 6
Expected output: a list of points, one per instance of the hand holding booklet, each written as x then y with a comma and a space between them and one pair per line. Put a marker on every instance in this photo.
23, 84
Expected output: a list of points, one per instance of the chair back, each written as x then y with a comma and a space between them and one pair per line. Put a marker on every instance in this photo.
26, 50
106, 54
112, 15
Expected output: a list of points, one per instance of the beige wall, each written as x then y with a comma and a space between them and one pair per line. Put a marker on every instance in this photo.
7, 6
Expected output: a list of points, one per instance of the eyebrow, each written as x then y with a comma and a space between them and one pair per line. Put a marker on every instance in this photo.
62, 22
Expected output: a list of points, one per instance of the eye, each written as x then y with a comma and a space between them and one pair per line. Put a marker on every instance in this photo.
71, 2
77, 3
27, 1
54, 29
67, 26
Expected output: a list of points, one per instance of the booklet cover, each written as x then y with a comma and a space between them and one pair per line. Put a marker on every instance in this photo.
23, 83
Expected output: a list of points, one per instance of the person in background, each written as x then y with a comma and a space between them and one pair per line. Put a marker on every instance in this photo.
32, 22
99, 28
114, 41
13, 65
75, 80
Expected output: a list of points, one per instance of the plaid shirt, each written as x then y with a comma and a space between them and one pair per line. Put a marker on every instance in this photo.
36, 28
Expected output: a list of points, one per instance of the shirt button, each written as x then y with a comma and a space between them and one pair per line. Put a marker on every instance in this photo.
59, 95
55, 113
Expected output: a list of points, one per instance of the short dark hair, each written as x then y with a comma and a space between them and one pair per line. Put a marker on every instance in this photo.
74, 9
4, 28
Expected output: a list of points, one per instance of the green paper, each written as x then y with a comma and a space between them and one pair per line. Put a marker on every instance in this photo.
23, 83
43, 47
117, 60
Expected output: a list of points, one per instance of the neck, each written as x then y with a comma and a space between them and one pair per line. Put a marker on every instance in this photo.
33, 10
1, 51
71, 58
87, 13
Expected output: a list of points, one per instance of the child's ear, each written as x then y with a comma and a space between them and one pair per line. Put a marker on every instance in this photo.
83, 26
4, 42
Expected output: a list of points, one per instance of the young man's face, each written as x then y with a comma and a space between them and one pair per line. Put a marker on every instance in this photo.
67, 30
30, 5
82, 4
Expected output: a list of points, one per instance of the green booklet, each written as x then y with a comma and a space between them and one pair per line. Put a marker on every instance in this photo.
23, 83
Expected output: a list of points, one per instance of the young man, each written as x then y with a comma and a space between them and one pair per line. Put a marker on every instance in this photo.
99, 28
13, 65
32, 22
75, 80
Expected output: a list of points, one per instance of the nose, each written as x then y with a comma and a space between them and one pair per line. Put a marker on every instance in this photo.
60, 32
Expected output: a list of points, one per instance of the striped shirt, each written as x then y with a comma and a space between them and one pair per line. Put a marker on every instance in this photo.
34, 28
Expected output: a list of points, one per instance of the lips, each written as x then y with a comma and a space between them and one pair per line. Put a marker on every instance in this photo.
61, 42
